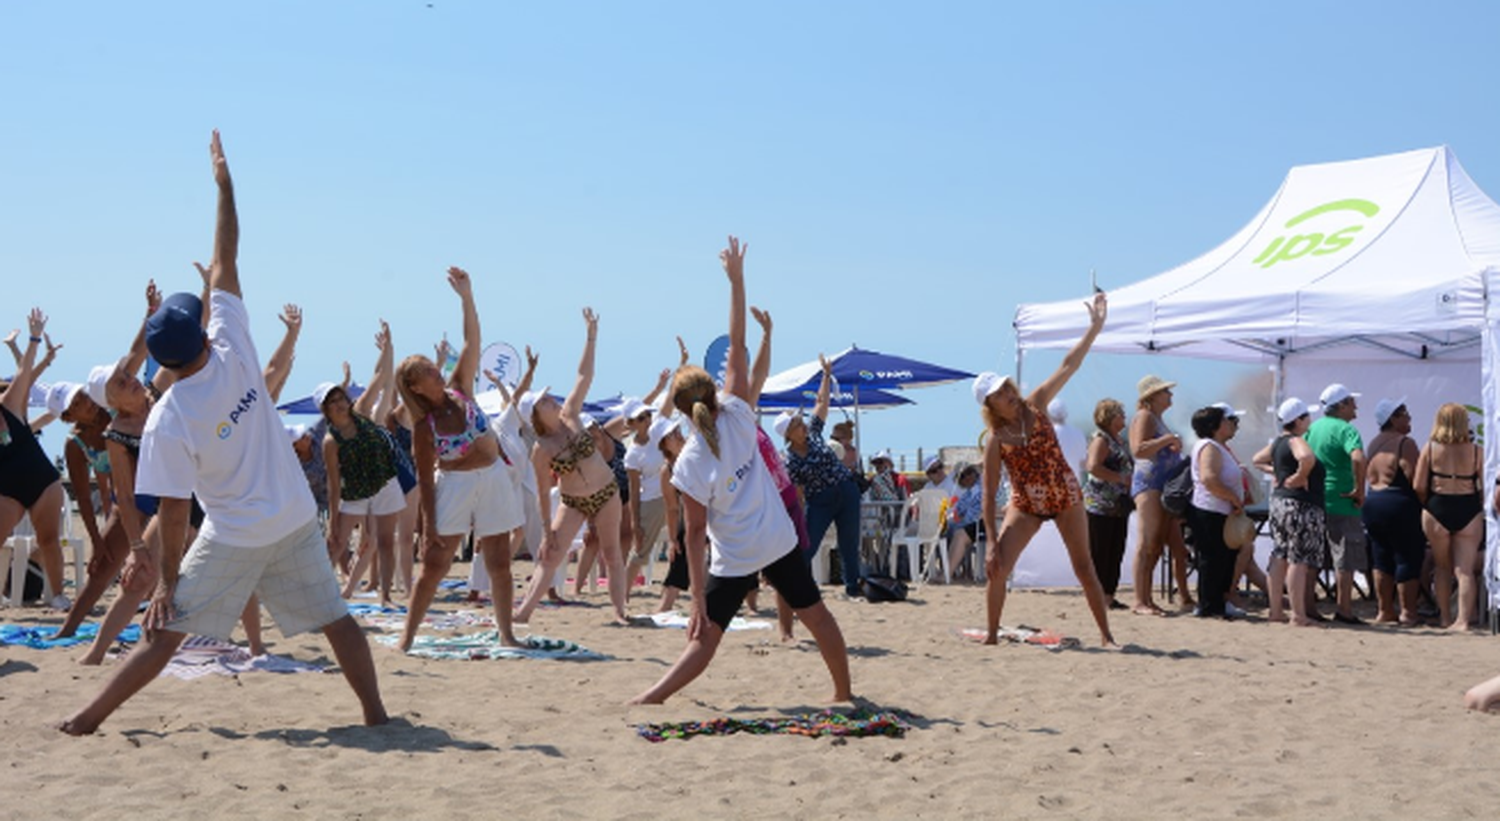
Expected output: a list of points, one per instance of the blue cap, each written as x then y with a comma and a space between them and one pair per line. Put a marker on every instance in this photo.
174, 334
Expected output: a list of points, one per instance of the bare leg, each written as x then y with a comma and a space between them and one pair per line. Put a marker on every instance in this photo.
668, 599
958, 548
551, 555
1385, 597
353, 654
496, 553
406, 529
1015, 534
691, 664
385, 553
581, 581
250, 620
1276, 588
1297, 578
364, 554
1442, 562
138, 669
436, 561
1465, 545
784, 619
105, 564
1073, 525
123, 609
607, 525
1172, 535
1409, 591
1148, 550
825, 631
1344, 587
46, 515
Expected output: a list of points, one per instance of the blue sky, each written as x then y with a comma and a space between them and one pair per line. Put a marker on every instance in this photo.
905, 174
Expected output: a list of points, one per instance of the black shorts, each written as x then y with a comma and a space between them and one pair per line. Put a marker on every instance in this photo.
789, 575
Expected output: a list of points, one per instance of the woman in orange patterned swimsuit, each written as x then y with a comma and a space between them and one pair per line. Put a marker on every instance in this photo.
1043, 485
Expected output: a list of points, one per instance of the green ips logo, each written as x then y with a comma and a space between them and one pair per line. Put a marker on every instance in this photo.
1318, 244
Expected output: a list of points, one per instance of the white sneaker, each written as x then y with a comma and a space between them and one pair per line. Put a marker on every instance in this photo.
60, 602
1233, 610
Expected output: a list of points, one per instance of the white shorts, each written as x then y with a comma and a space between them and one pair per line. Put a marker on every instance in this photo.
486, 501
386, 501
293, 578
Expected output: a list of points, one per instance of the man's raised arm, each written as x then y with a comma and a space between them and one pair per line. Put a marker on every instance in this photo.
224, 273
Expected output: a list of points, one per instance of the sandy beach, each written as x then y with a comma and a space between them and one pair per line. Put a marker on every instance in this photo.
1207, 718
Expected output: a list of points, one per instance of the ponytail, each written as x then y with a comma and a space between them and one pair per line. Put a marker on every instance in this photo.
703, 419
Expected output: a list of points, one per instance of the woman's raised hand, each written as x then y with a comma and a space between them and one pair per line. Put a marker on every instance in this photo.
291, 317
382, 336
459, 279
592, 320
682, 348
733, 258
1098, 309
153, 297
36, 322
762, 318
531, 359
827, 366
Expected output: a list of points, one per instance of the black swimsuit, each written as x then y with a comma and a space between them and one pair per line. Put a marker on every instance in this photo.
1454, 511
25, 470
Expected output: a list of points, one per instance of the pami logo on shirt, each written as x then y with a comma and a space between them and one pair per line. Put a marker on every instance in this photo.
740, 473
245, 403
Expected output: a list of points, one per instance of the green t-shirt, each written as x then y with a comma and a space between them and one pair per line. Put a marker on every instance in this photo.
1332, 440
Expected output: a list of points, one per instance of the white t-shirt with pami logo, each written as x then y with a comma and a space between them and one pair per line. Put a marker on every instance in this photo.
217, 434
747, 524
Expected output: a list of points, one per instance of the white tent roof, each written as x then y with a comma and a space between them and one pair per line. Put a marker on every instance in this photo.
1389, 252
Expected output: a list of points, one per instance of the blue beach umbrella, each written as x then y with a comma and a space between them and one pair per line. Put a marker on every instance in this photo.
869, 399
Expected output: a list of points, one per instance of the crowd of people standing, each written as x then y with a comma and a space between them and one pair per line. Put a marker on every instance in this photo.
213, 507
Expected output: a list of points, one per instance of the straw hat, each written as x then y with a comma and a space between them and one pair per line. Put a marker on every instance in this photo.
1151, 385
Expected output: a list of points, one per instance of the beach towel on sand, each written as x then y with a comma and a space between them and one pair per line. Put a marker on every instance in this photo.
680, 621
487, 645
812, 725
201, 656
1026, 635
43, 637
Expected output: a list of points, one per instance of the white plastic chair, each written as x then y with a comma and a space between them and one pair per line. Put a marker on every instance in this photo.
926, 536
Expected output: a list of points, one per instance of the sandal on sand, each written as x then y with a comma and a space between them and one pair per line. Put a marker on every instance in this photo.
1153, 610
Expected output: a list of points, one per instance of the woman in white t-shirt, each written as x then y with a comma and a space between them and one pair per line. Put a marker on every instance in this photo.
729, 497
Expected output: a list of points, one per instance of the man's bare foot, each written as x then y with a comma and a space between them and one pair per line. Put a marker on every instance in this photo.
510, 640
376, 718
1279, 618
842, 698
788, 638
1107, 640
991, 639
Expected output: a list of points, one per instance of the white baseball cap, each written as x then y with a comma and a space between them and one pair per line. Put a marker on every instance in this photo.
1294, 408
1334, 394
632, 408
1229, 411
661, 426
987, 383
784, 421
296, 432
320, 393
933, 463
884, 454
1057, 410
60, 396
98, 378
528, 403
1386, 408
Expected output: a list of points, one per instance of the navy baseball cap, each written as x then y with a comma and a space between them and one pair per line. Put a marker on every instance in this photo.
174, 334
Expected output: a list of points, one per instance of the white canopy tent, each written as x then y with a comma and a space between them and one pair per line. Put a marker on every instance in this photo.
1374, 272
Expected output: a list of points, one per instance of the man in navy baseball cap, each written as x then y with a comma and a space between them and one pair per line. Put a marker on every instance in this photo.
174, 334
